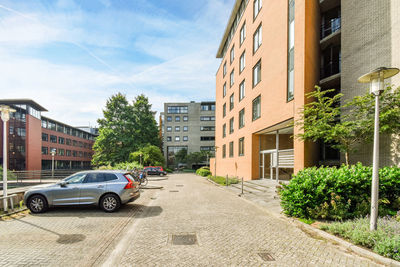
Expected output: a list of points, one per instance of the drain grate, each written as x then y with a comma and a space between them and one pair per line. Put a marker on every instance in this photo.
265, 256
183, 239
173, 191
179, 185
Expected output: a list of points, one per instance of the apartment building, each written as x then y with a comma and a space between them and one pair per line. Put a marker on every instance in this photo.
189, 126
32, 137
272, 54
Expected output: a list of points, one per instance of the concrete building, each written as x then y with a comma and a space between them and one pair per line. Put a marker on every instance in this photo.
32, 137
272, 54
189, 126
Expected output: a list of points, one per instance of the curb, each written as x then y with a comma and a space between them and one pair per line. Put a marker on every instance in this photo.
334, 240
151, 187
157, 179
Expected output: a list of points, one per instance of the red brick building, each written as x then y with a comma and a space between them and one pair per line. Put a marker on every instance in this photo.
32, 137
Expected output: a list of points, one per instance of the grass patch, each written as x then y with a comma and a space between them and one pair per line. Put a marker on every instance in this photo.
384, 241
307, 221
222, 180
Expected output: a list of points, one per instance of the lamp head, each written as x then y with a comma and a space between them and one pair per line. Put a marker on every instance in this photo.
5, 112
377, 77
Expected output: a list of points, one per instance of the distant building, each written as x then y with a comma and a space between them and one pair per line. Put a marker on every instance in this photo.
189, 126
32, 137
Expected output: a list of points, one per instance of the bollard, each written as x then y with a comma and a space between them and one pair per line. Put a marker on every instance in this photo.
227, 180
242, 185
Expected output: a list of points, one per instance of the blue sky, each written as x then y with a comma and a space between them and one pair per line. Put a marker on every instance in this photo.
70, 56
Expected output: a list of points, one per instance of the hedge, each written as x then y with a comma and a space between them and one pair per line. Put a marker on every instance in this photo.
204, 171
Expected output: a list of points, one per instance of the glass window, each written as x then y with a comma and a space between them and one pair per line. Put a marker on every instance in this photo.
243, 33
241, 146
185, 128
242, 91
231, 101
53, 138
68, 153
231, 149
241, 118
224, 70
177, 138
224, 110
208, 107
232, 78
207, 138
177, 118
207, 128
61, 152
45, 150
257, 73
207, 148
76, 178
61, 140
45, 137
224, 130
257, 4
177, 109
169, 118
169, 128
110, 177
169, 138
290, 89
256, 108
207, 118
257, 38
44, 123
231, 122
224, 90
185, 118
224, 151
68, 142
94, 178
177, 128
185, 138
232, 54
242, 61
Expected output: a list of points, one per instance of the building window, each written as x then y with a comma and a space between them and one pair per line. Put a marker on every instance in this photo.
224, 110
257, 4
207, 138
80, 154
231, 149
242, 61
207, 148
74, 153
243, 33
232, 79
207, 128
224, 90
257, 73
177, 109
177, 138
207, 118
224, 130
45, 150
169, 118
232, 54
185, 118
169, 138
257, 38
242, 91
61, 140
224, 70
44, 124
231, 101
169, 128
74, 143
224, 151
231, 121
177, 118
257, 108
185, 138
185, 128
68, 153
241, 118
241, 146
208, 107
53, 149
53, 138
290, 89
45, 137
61, 152
68, 142
177, 128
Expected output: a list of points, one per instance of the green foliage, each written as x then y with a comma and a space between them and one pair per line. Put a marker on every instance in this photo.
384, 241
168, 170
197, 157
323, 119
122, 166
203, 172
10, 174
181, 156
307, 221
125, 128
149, 155
339, 193
222, 180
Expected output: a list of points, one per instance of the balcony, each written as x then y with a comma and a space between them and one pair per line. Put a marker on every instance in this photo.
330, 26
329, 69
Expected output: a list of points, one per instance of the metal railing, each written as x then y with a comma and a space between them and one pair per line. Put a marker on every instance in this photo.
330, 69
331, 26
4, 201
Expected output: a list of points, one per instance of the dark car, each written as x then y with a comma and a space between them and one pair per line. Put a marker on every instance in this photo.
155, 171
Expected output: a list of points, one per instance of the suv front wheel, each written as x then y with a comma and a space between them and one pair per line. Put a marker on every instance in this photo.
37, 204
110, 203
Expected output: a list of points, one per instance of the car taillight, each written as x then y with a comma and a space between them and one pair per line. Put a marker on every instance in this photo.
130, 184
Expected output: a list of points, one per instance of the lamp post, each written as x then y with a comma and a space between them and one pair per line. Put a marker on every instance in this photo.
215, 162
376, 79
5, 116
53, 153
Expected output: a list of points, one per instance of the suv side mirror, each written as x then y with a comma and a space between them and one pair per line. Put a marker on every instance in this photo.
63, 183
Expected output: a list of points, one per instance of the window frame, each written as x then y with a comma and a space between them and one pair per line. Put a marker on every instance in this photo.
258, 33
258, 64
258, 98
241, 118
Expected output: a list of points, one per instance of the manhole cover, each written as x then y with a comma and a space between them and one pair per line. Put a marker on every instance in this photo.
70, 239
179, 185
173, 191
184, 239
266, 256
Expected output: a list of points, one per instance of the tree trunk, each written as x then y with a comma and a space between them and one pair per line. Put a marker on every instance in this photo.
346, 155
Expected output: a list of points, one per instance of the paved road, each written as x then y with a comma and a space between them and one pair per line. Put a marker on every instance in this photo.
228, 231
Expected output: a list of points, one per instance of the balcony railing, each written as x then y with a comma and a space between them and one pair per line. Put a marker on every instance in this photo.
331, 26
329, 69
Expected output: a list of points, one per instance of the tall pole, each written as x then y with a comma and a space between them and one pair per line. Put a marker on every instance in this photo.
5, 201
52, 165
375, 170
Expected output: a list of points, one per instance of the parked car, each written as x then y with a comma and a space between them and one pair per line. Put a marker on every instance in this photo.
154, 171
158, 167
106, 189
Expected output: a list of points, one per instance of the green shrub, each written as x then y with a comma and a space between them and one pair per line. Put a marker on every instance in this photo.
384, 241
168, 170
203, 172
10, 174
339, 193
222, 180
122, 166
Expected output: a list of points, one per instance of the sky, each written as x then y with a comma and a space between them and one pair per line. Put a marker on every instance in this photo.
71, 56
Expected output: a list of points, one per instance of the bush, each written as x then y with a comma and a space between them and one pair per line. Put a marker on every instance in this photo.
122, 166
168, 170
384, 241
10, 174
339, 193
222, 180
203, 172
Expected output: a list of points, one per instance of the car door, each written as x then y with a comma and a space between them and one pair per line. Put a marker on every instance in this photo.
92, 188
68, 194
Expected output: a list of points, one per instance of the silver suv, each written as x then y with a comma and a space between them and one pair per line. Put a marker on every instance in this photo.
107, 189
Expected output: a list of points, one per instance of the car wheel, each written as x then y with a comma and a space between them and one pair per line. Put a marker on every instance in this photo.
161, 174
37, 204
110, 203
144, 181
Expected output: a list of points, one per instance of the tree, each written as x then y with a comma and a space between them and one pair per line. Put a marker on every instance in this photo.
346, 126
181, 156
149, 155
196, 157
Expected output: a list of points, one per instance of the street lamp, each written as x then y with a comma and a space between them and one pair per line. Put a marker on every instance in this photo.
53, 153
376, 79
215, 163
5, 116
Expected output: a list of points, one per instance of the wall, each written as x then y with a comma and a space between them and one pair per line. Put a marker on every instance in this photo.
33, 143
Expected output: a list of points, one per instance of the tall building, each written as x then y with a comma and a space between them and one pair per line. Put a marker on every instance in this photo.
32, 137
189, 126
272, 54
